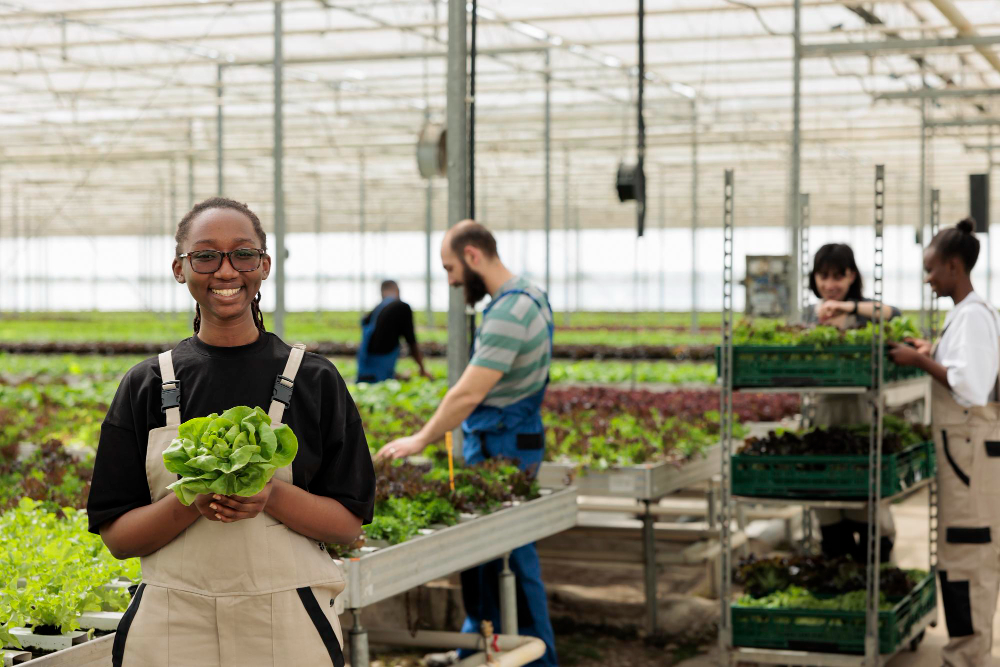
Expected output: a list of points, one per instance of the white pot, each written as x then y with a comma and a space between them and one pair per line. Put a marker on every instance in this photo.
29, 639
101, 620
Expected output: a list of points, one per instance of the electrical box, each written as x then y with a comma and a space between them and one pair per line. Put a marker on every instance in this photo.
768, 285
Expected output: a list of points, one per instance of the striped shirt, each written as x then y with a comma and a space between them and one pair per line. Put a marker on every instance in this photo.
514, 339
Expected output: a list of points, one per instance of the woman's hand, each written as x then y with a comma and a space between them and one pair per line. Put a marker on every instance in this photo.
228, 509
830, 309
202, 502
922, 346
905, 355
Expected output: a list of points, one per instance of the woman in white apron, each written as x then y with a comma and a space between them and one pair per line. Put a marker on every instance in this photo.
965, 365
231, 581
836, 282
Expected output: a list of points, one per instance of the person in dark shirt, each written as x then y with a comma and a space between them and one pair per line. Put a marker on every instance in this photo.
381, 330
227, 561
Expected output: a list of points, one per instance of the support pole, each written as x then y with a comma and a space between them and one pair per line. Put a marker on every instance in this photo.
989, 227
649, 568
458, 350
471, 194
219, 161
279, 186
663, 243
319, 247
508, 598
794, 186
566, 235
172, 287
923, 201
578, 277
429, 228
694, 215
359, 642
640, 203
190, 165
361, 228
548, 172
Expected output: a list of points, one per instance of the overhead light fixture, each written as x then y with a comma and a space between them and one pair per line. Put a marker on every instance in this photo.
555, 40
230, 58
213, 54
355, 74
576, 48
611, 61
529, 30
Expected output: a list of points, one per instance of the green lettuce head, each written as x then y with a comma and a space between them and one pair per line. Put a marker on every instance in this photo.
235, 453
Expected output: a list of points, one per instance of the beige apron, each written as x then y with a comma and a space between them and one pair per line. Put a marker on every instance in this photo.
967, 443
244, 594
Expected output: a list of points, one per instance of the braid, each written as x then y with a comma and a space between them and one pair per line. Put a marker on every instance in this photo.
258, 317
184, 227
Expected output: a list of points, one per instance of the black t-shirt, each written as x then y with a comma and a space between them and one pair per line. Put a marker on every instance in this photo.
394, 322
333, 458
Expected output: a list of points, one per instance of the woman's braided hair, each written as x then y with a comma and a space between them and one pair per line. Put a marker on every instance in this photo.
184, 227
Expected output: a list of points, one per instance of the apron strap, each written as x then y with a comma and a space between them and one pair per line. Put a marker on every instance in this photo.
170, 390
285, 383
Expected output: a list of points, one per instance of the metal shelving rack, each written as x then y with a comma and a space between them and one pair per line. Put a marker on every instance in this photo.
877, 395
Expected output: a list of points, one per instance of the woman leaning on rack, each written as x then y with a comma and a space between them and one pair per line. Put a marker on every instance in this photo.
836, 282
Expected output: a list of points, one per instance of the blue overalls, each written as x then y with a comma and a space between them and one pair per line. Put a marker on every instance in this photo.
375, 367
513, 432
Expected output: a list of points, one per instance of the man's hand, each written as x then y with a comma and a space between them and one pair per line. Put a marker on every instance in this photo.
228, 509
401, 448
830, 309
904, 355
922, 346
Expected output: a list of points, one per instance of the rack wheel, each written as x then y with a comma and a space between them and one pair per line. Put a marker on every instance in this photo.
916, 642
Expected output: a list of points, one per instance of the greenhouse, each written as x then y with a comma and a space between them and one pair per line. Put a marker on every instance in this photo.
397, 333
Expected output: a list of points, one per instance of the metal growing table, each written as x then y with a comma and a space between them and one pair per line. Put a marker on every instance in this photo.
383, 573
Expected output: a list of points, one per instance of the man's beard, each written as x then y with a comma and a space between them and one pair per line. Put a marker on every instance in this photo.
475, 288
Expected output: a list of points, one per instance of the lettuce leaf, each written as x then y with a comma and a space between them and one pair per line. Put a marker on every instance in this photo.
235, 453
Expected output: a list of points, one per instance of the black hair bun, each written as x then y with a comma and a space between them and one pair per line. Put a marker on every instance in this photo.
967, 226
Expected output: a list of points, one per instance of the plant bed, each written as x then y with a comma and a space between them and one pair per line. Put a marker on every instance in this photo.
106, 621
833, 462
833, 630
33, 638
10, 658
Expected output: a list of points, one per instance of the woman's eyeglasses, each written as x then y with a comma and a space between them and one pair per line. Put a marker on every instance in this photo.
210, 261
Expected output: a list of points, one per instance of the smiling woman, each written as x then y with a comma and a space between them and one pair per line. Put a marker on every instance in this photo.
271, 543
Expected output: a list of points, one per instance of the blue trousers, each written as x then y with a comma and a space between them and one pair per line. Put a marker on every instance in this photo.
481, 585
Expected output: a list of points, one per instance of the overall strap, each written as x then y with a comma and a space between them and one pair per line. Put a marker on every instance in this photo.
283, 386
170, 390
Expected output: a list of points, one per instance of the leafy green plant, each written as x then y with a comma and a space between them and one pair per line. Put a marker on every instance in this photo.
774, 332
54, 570
235, 453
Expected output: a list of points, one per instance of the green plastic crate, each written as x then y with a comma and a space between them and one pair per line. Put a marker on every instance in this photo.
828, 631
806, 366
833, 477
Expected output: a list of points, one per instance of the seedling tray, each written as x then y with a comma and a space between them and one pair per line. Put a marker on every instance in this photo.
765, 366
831, 477
827, 631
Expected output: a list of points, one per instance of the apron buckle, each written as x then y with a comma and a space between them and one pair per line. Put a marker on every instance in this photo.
283, 390
170, 395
